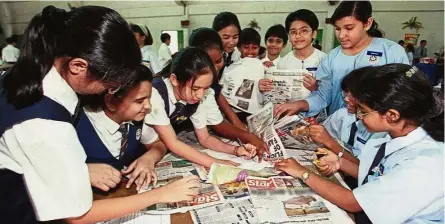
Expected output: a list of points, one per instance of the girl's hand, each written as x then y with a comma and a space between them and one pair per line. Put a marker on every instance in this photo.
291, 167
184, 189
249, 152
265, 85
310, 83
319, 134
328, 164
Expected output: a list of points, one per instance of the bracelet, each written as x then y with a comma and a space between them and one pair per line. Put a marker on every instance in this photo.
236, 151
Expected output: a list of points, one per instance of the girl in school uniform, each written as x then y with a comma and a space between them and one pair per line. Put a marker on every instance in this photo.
400, 175
183, 93
145, 42
228, 28
209, 40
353, 25
43, 174
301, 26
113, 136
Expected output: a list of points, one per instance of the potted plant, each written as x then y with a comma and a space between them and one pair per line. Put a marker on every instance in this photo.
413, 24
254, 24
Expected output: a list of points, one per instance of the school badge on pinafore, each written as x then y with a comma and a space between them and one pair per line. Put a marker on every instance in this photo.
138, 133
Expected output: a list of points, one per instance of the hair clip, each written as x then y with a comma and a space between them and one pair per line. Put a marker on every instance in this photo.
411, 71
113, 91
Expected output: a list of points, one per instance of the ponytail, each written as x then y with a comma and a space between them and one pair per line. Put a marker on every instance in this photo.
374, 30
434, 123
23, 84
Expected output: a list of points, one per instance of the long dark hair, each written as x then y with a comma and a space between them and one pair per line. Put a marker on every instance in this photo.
225, 19
96, 34
188, 64
360, 10
405, 89
144, 31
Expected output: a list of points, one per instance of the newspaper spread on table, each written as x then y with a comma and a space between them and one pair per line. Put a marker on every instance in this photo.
286, 200
287, 86
262, 125
241, 211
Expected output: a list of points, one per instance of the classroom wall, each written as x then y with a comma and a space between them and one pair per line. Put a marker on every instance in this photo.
166, 15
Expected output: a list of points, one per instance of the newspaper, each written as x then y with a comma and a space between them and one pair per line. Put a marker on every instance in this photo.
140, 217
241, 211
294, 133
287, 86
262, 125
286, 200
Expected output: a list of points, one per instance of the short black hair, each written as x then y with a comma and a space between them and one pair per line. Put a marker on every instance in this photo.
262, 50
304, 15
276, 31
11, 40
225, 19
137, 29
423, 41
206, 38
165, 37
249, 36
361, 11
401, 42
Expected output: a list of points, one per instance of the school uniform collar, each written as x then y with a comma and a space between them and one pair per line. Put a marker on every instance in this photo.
100, 117
147, 48
57, 89
402, 142
276, 59
171, 94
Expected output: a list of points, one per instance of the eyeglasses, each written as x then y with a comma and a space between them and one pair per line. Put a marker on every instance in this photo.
302, 32
272, 40
360, 115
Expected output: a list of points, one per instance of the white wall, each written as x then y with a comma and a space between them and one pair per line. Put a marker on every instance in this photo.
166, 15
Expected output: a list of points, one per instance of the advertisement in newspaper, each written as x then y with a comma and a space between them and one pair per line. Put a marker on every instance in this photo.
287, 86
285, 199
240, 84
261, 124
242, 212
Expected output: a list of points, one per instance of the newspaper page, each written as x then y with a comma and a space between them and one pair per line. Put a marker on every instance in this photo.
261, 124
286, 200
287, 86
241, 212
240, 84
294, 133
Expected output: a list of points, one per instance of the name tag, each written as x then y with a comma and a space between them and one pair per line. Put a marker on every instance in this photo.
312, 69
374, 53
361, 140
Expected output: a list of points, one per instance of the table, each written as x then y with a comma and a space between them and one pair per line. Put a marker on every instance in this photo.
122, 191
431, 71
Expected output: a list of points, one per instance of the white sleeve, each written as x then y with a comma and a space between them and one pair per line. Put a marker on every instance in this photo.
208, 112
158, 115
154, 62
149, 135
53, 163
409, 187
164, 53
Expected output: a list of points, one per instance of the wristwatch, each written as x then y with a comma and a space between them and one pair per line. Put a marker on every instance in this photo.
305, 176
340, 154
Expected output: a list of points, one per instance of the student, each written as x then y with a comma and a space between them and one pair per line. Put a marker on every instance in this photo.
228, 28
410, 53
183, 93
401, 172
275, 40
165, 55
343, 125
145, 42
43, 169
240, 80
420, 52
209, 40
353, 23
113, 136
301, 26
401, 43
10, 53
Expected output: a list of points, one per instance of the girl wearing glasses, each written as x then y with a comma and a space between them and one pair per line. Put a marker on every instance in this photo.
402, 171
42, 163
301, 26
354, 27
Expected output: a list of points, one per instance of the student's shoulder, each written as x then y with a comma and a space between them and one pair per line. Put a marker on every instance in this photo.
320, 54
342, 112
389, 45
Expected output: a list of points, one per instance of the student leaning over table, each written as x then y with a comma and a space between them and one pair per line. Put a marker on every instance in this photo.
400, 175
43, 174
112, 133
183, 93
354, 26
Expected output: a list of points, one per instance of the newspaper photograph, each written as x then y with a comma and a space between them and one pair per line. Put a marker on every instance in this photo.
286, 200
287, 86
241, 212
262, 125
294, 133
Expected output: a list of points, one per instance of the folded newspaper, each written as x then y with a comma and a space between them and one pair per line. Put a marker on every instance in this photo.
294, 132
285, 200
262, 125
221, 174
287, 86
